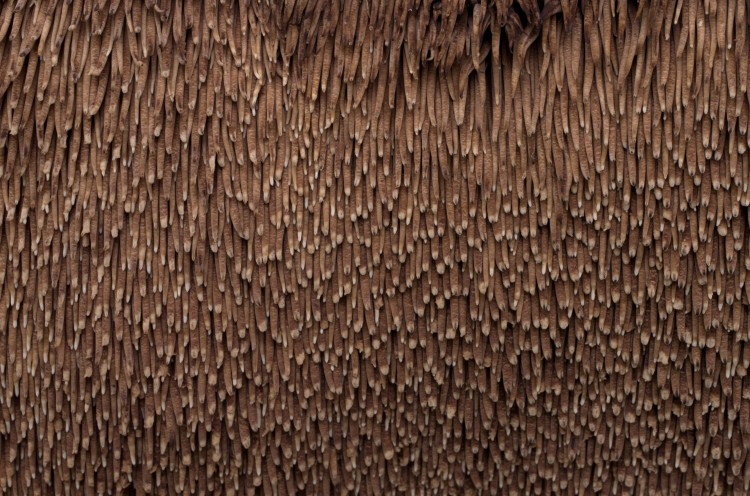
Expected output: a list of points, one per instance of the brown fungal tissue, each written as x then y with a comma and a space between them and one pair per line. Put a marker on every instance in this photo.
374, 247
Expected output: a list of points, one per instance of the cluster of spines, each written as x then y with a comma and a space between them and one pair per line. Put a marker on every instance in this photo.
374, 246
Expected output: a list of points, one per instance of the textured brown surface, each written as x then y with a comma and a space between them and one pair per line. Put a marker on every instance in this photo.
374, 246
